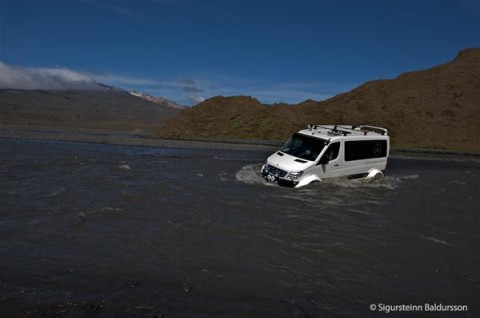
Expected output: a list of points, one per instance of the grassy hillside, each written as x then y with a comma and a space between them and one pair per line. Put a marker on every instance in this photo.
437, 108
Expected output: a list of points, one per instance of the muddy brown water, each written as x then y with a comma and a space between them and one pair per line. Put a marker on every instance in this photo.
119, 231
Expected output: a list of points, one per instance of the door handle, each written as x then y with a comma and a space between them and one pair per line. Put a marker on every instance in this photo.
336, 165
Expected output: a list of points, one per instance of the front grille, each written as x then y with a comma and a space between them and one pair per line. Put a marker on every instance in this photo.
275, 171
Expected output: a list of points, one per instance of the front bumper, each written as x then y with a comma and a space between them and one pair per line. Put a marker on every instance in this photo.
273, 174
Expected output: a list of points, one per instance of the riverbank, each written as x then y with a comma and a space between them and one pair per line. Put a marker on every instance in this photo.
135, 138
132, 139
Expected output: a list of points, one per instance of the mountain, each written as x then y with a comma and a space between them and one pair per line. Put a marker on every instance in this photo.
157, 100
104, 108
238, 117
436, 108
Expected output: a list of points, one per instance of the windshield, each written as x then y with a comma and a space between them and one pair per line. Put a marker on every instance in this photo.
304, 147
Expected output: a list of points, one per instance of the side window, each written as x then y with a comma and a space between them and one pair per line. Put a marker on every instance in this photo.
358, 150
331, 153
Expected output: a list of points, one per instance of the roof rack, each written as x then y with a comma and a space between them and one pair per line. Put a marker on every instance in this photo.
333, 130
346, 130
375, 129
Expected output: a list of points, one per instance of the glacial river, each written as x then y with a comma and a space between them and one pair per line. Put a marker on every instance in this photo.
92, 230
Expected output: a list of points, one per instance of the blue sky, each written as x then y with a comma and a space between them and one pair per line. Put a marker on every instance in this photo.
277, 51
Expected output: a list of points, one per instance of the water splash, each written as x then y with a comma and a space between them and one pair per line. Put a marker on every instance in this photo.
251, 174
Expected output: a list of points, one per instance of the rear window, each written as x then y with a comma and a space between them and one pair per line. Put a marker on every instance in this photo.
365, 149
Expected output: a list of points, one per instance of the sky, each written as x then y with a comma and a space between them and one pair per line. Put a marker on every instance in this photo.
190, 50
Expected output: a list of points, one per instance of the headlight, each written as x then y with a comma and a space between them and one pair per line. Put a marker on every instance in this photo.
264, 169
295, 175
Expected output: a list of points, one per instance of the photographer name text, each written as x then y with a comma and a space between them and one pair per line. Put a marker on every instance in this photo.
388, 308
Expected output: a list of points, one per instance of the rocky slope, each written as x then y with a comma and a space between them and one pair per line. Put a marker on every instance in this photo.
106, 109
437, 108
157, 100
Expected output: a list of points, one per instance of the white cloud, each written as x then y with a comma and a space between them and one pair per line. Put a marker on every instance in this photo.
195, 99
268, 91
114, 8
186, 89
16, 77
190, 89
123, 81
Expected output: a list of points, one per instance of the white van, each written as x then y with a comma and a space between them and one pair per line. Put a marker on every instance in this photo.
328, 151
